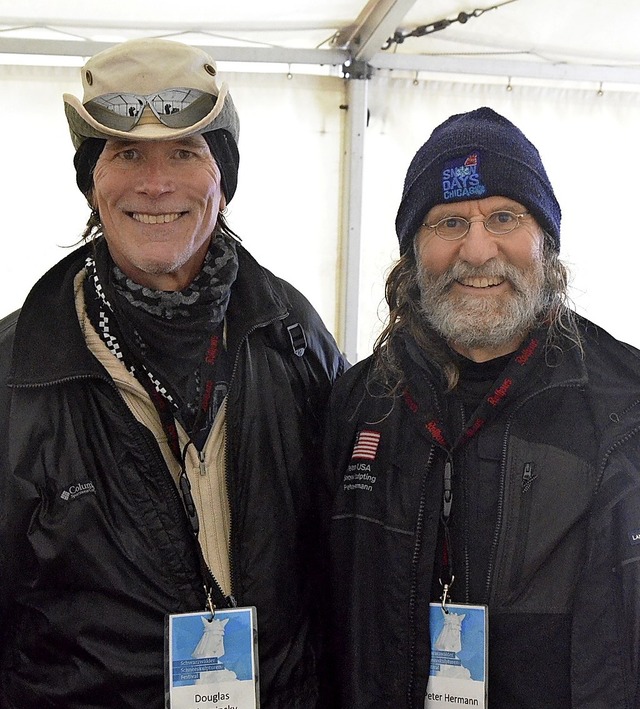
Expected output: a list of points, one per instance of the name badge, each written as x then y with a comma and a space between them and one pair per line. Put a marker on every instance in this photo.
212, 661
459, 644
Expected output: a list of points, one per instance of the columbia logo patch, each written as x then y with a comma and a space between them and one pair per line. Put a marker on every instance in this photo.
634, 536
77, 490
366, 445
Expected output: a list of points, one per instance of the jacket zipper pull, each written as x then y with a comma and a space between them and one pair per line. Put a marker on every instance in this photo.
527, 477
201, 463
189, 504
447, 495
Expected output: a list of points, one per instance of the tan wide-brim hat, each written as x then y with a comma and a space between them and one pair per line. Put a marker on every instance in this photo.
146, 66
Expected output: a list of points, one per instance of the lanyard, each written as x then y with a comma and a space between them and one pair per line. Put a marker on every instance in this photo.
516, 371
164, 403
166, 407
102, 315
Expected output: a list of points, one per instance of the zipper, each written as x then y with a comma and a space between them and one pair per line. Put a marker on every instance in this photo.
498, 528
210, 583
156, 457
202, 463
413, 592
56, 382
528, 476
227, 453
526, 502
182, 505
499, 518
462, 471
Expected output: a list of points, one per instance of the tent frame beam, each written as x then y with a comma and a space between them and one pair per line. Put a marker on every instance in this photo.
338, 57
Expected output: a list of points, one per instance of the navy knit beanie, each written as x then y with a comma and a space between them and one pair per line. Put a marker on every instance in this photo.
472, 156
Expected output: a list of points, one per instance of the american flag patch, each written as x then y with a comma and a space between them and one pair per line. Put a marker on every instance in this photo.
366, 445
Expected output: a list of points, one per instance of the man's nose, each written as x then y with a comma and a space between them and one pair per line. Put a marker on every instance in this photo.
479, 245
155, 178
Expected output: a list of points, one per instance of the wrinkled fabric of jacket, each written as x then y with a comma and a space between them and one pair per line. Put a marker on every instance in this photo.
94, 542
564, 563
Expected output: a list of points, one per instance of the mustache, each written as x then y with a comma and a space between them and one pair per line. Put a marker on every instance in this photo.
492, 269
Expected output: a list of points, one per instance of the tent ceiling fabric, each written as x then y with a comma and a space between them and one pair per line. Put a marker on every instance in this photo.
537, 37
535, 41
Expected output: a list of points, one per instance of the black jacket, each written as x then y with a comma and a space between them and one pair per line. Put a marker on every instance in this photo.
87, 580
562, 568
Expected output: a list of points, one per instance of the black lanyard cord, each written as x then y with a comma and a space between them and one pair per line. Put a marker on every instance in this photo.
167, 408
446, 576
185, 489
517, 371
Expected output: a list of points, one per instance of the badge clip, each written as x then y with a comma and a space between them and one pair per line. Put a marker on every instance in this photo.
445, 593
210, 606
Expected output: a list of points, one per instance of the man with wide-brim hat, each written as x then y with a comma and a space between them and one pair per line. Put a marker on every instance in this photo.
160, 394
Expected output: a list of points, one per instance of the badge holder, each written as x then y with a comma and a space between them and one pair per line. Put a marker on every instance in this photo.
211, 659
458, 671
459, 636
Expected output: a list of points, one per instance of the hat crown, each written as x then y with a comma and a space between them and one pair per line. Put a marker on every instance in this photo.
480, 129
144, 66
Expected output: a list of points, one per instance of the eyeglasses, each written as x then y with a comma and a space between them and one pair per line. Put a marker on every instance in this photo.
500, 223
176, 108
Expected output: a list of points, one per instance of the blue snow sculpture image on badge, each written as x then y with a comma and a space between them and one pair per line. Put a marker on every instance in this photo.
458, 642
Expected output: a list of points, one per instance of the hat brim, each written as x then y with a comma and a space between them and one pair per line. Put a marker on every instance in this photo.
83, 125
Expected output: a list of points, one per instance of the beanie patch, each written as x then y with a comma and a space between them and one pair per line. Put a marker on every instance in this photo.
461, 178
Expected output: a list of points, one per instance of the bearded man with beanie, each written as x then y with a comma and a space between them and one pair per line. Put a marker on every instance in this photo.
161, 395
483, 475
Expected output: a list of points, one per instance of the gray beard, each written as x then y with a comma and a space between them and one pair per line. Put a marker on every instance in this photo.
483, 322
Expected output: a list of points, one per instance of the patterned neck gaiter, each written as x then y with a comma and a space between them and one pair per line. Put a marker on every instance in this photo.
165, 335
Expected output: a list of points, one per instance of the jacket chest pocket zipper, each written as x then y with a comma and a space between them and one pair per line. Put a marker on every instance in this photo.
524, 516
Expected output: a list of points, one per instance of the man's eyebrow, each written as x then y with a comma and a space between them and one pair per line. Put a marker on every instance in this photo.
121, 141
191, 141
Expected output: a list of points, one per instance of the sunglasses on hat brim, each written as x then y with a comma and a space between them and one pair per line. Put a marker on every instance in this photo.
175, 108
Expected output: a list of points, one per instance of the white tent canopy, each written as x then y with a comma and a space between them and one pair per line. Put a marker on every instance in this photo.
334, 99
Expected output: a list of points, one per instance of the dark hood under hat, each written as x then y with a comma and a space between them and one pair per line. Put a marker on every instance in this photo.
472, 156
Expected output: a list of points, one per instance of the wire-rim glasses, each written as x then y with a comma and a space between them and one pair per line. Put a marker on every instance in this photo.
500, 223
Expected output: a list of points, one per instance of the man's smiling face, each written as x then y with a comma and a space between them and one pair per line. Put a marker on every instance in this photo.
482, 292
158, 203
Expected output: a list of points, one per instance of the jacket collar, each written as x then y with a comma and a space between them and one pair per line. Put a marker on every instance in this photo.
557, 366
257, 299
49, 344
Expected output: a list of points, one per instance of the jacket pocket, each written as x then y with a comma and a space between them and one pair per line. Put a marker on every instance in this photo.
543, 534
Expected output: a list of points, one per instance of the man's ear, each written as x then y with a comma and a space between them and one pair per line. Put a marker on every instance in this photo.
223, 202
